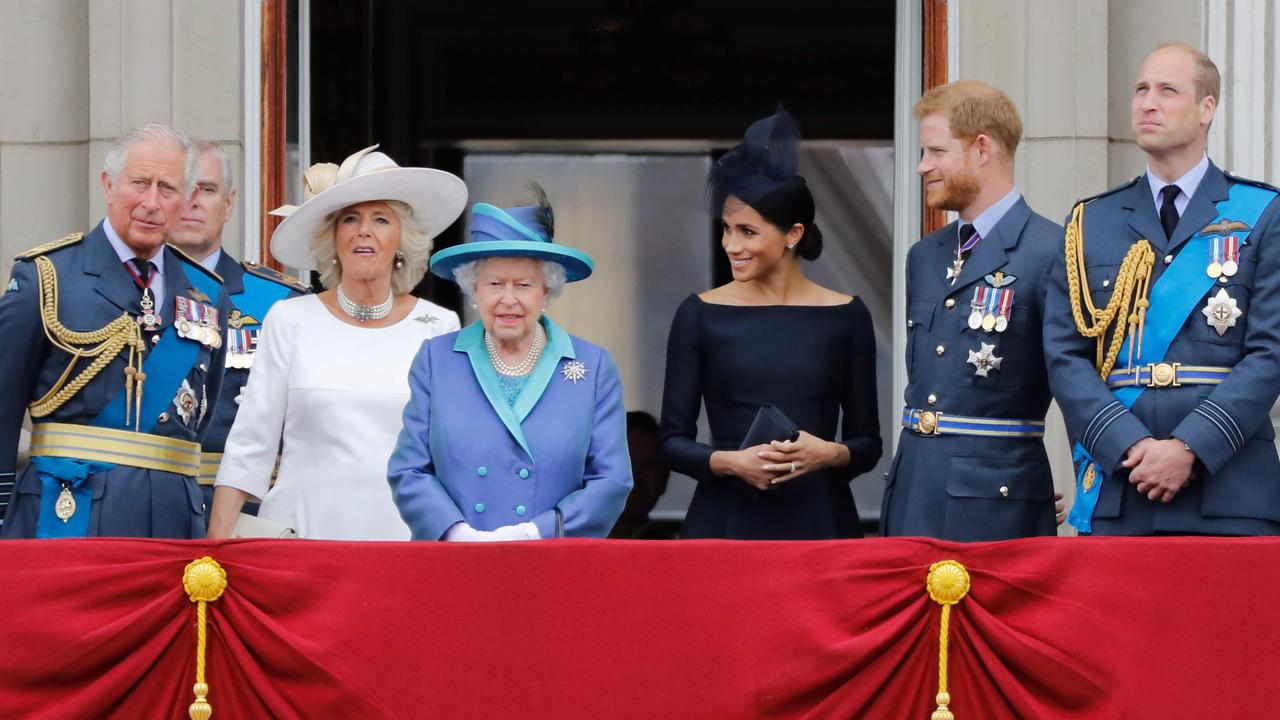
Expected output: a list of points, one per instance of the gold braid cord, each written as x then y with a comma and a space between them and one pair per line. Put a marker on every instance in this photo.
1127, 308
948, 583
101, 346
204, 580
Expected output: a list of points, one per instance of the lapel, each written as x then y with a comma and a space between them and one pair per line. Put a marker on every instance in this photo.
990, 254
113, 281
939, 251
232, 274
1142, 213
470, 340
176, 283
1202, 209
559, 346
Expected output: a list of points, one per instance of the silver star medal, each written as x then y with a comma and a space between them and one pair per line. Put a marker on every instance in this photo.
984, 360
1221, 312
957, 266
573, 371
185, 402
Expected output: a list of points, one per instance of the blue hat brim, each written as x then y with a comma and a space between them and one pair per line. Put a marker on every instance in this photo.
577, 264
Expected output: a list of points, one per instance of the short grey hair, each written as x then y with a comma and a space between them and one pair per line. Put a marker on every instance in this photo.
415, 245
119, 151
213, 147
467, 274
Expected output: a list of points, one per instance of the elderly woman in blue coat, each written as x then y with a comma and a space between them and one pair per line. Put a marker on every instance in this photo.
515, 430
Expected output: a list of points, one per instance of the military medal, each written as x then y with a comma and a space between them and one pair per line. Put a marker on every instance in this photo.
1221, 312
148, 320
957, 265
984, 360
1231, 255
65, 506
185, 402
1004, 306
1214, 270
978, 302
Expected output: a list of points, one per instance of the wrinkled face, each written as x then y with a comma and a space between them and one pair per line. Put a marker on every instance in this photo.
366, 237
200, 226
146, 198
754, 245
511, 295
949, 168
1166, 114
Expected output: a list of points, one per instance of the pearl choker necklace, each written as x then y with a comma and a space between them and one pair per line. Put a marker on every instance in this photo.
365, 313
530, 358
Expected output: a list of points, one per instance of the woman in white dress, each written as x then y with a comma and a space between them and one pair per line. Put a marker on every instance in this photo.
330, 379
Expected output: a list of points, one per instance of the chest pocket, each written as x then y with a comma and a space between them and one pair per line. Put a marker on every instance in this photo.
1011, 346
1238, 288
919, 320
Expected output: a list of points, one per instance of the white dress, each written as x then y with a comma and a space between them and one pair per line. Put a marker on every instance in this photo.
335, 392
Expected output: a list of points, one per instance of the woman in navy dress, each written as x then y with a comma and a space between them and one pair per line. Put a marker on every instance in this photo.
770, 337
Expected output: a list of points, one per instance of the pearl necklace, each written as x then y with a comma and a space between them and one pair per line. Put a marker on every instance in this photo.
530, 358
365, 313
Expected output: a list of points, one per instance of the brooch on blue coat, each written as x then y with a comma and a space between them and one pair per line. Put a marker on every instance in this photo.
573, 371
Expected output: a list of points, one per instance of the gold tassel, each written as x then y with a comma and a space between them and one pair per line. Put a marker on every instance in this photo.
141, 377
947, 584
204, 580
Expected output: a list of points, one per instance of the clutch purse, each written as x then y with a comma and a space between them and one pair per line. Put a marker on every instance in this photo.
252, 526
770, 424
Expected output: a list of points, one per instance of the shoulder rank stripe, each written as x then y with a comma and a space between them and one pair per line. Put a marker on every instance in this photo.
267, 273
1108, 191
49, 247
1248, 181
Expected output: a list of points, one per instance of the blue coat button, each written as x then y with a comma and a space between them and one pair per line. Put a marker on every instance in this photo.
520, 510
482, 471
479, 507
524, 473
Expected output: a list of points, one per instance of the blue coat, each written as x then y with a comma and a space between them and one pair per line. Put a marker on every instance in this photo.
557, 458
1236, 489
960, 487
94, 288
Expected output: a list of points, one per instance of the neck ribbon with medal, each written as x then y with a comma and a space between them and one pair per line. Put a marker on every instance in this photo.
962, 247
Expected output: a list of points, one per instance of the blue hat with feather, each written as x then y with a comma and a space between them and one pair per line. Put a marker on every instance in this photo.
521, 231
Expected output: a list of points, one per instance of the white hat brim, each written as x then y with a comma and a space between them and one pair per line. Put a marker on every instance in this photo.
437, 198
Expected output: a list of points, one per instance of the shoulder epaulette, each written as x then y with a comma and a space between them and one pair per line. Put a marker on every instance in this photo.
1109, 191
195, 263
49, 247
1256, 183
267, 273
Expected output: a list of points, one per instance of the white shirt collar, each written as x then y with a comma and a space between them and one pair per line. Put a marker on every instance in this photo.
125, 252
1187, 184
211, 263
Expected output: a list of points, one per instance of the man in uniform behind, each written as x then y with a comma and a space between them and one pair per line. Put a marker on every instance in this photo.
1163, 328
113, 343
971, 463
252, 288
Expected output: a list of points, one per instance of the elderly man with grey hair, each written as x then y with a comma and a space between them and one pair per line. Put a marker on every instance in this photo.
114, 345
251, 288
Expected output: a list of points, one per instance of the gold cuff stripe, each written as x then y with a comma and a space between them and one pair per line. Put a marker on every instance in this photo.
119, 447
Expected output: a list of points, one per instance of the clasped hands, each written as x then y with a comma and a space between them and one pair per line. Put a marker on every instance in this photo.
764, 466
1159, 469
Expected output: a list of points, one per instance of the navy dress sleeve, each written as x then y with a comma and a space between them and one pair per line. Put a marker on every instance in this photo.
682, 396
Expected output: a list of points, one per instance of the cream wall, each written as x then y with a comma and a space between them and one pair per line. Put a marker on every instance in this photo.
74, 74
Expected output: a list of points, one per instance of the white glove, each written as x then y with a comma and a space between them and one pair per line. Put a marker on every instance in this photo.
523, 531
462, 532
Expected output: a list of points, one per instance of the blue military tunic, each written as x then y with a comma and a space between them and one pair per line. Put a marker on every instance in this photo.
253, 289
94, 289
1235, 488
976, 486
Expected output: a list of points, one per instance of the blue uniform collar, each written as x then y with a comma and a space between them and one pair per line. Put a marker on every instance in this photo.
986, 221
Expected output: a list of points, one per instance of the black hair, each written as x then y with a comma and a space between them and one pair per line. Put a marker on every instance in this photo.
789, 205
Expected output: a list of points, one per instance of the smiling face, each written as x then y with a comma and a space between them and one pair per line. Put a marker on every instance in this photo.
1168, 118
951, 180
366, 237
199, 230
146, 198
755, 246
510, 294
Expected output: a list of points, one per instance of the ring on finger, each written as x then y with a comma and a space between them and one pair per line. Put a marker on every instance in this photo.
793, 467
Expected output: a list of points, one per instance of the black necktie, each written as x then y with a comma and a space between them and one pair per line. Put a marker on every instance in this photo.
966, 231
143, 268
1169, 211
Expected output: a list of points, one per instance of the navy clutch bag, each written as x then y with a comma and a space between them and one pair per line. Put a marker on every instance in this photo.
770, 424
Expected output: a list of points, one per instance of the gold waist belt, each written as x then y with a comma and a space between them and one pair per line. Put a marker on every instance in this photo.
211, 461
118, 447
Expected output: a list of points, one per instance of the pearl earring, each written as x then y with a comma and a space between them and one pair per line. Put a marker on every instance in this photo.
399, 259
791, 246
333, 261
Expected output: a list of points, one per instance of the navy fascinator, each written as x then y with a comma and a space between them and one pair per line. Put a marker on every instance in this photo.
763, 162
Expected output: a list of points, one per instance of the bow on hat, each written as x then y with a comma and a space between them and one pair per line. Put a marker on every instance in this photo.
322, 176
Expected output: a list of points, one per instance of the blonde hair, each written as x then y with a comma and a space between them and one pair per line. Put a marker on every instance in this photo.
1204, 72
415, 245
974, 108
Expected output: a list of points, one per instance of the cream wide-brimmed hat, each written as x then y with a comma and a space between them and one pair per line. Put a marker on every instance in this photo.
437, 199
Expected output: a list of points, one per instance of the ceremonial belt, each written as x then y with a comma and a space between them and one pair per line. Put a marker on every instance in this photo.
118, 447
1161, 375
211, 461
930, 422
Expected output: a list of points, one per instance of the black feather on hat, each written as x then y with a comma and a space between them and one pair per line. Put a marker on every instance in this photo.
766, 159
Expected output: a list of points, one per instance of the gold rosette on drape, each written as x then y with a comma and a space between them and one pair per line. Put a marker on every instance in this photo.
947, 584
203, 580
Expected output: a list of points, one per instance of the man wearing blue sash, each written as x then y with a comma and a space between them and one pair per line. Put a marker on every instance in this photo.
971, 463
114, 345
1163, 329
251, 289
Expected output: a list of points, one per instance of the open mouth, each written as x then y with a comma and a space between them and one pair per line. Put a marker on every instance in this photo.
363, 250
739, 262
509, 319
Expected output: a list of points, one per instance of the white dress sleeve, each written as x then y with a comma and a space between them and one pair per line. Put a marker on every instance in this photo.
249, 458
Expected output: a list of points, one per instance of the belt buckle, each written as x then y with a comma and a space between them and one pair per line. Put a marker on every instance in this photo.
1162, 375
927, 422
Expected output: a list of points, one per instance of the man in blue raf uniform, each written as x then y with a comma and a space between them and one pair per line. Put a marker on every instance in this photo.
113, 343
1163, 329
252, 290
971, 463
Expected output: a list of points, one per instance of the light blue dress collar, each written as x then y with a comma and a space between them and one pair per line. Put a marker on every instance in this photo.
986, 222
1188, 184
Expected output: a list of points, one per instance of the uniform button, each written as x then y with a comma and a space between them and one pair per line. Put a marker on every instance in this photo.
482, 471
524, 473
1004, 491
911, 323
164, 417
479, 507
933, 399
941, 349
950, 303
1168, 259
520, 510
1106, 283
155, 338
